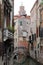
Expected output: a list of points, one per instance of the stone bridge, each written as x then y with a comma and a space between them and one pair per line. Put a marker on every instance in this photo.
20, 49
19, 53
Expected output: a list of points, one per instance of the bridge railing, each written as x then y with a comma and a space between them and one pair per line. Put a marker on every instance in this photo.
17, 49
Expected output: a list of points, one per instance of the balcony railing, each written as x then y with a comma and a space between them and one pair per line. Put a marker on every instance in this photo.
7, 34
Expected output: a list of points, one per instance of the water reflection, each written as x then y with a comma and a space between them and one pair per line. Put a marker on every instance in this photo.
27, 62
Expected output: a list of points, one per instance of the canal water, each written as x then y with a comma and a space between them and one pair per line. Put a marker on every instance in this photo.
28, 61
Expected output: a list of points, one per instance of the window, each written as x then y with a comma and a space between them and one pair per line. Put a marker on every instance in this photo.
38, 45
33, 37
0, 12
15, 40
0, 15
24, 38
41, 32
10, 49
30, 39
14, 23
41, 12
37, 31
27, 22
4, 63
20, 23
32, 47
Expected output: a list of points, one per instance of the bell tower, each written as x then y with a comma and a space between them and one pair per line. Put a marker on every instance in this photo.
22, 10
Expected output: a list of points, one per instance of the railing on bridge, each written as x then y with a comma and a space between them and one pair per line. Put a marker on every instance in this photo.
18, 49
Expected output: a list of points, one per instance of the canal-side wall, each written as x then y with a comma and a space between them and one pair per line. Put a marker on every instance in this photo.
39, 59
38, 56
1, 63
32, 54
34, 59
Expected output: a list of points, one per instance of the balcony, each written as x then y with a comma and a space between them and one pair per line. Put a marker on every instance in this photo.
7, 34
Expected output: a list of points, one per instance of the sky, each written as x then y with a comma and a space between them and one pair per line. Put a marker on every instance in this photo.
28, 4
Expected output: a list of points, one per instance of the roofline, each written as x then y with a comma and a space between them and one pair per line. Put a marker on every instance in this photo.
20, 16
33, 5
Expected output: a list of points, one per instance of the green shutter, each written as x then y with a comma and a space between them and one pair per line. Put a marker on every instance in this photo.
41, 2
21, 23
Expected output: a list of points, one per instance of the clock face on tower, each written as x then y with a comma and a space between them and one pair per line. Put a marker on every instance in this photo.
24, 34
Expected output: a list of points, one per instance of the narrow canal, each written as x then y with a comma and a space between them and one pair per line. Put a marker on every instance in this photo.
28, 61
